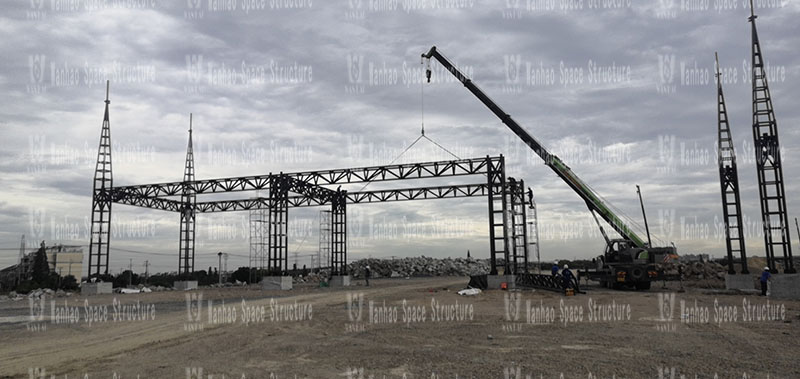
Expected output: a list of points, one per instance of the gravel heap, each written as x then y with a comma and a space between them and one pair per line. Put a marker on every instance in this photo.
696, 270
419, 266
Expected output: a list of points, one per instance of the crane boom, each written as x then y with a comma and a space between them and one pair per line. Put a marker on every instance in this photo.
563, 171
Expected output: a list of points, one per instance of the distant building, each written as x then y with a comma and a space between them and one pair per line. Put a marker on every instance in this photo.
63, 260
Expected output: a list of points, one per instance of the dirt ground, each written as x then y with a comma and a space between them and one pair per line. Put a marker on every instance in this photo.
413, 328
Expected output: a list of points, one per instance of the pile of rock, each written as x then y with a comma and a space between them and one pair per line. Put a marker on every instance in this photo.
695, 270
228, 284
419, 266
312, 277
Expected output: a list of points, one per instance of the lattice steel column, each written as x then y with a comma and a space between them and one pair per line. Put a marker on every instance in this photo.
188, 212
338, 261
258, 243
729, 182
498, 209
519, 234
768, 162
533, 229
101, 201
278, 216
324, 253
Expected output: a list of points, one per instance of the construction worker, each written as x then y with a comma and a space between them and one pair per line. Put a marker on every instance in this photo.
567, 276
554, 269
366, 275
765, 276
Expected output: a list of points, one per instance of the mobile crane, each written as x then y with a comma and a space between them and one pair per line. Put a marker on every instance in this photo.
627, 261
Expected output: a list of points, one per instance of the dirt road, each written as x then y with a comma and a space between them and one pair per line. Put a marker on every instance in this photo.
396, 328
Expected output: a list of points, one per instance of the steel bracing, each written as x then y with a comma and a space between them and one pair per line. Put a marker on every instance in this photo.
101, 201
729, 182
768, 162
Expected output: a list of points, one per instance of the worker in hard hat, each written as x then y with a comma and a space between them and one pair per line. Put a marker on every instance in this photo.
367, 274
765, 277
554, 269
567, 276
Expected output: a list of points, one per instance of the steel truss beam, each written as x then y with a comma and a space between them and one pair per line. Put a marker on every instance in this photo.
424, 170
359, 197
309, 192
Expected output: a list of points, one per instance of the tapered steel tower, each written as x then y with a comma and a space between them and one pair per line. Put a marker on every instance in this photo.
101, 201
768, 162
729, 182
188, 201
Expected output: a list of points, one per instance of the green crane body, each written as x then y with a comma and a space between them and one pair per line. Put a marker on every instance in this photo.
557, 165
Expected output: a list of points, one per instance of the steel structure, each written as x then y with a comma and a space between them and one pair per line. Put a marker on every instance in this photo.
729, 183
269, 237
533, 230
100, 235
188, 214
258, 241
768, 162
324, 251
519, 234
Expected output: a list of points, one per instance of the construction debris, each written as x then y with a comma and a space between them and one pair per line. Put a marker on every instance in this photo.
695, 270
419, 266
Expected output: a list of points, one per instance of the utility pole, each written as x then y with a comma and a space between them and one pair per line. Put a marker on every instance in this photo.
796, 226
219, 274
146, 271
130, 272
644, 215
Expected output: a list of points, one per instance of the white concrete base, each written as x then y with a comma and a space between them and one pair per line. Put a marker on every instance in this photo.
185, 285
493, 282
276, 283
96, 288
340, 281
785, 286
739, 282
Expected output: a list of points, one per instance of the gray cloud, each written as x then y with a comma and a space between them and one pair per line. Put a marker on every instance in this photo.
275, 90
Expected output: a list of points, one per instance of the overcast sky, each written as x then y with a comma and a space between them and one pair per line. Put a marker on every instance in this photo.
623, 91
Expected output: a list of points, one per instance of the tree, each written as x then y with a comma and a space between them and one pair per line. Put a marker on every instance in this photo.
69, 283
41, 269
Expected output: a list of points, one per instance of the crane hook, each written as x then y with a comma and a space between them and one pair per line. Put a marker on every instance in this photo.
428, 70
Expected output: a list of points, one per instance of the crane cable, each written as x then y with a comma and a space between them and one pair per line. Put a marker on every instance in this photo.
421, 136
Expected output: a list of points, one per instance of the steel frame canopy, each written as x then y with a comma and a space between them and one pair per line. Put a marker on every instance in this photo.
306, 189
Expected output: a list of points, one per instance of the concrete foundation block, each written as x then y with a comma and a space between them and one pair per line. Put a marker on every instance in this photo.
494, 282
283, 283
96, 288
185, 285
340, 281
740, 282
785, 286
